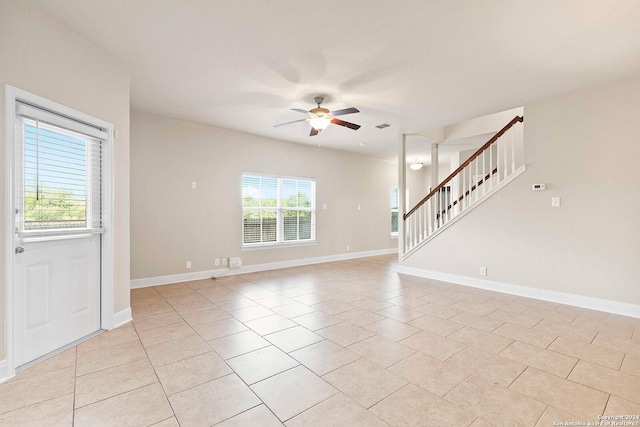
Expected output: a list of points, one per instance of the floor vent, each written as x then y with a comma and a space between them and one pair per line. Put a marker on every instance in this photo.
383, 125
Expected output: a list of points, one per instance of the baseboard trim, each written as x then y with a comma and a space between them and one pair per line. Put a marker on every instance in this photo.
598, 304
122, 317
199, 275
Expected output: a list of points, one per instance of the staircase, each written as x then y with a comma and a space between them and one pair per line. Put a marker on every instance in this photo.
490, 168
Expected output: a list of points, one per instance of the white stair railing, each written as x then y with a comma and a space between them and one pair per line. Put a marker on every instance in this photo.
496, 161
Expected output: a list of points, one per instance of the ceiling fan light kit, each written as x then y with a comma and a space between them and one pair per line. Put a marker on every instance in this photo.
320, 123
416, 166
320, 117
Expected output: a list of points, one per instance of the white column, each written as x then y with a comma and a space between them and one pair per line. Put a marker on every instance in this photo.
402, 185
434, 165
435, 201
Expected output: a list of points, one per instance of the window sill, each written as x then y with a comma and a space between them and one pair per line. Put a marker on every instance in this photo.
279, 245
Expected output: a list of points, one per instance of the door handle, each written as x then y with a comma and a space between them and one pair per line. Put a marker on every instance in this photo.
19, 250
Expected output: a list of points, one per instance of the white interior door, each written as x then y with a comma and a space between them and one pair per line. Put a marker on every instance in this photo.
58, 298
57, 198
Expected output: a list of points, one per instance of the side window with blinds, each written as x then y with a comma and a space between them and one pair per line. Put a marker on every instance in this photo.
394, 211
58, 181
277, 210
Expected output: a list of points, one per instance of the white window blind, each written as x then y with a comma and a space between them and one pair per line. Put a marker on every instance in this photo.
59, 174
277, 210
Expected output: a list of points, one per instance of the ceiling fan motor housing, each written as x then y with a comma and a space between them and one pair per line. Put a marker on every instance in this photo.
320, 112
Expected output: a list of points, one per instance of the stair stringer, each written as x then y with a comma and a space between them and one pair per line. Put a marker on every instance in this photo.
466, 211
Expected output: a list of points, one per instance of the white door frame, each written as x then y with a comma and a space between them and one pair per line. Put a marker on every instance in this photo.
107, 247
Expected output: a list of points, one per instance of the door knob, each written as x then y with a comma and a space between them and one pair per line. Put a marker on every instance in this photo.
19, 250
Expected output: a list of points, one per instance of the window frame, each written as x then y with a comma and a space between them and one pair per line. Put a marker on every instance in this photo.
42, 115
92, 180
279, 209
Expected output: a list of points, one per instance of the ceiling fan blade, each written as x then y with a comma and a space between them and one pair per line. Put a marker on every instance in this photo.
289, 123
314, 132
299, 110
345, 111
345, 124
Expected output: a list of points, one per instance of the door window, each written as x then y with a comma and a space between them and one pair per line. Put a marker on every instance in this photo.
58, 175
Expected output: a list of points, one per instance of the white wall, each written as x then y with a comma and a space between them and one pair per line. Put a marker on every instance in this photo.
417, 183
584, 145
171, 223
489, 124
42, 56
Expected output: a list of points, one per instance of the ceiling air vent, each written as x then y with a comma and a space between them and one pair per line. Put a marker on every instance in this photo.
383, 125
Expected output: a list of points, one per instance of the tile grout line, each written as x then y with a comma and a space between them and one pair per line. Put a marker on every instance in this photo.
166, 396
346, 286
622, 362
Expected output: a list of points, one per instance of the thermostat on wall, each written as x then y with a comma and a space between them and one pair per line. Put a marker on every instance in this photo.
537, 187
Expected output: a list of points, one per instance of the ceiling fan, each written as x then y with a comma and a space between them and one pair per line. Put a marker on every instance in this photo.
319, 117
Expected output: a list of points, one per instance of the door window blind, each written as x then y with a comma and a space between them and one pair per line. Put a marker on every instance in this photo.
58, 182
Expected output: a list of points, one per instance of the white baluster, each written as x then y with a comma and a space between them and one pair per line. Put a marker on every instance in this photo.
427, 228
406, 234
435, 211
475, 179
470, 181
425, 220
465, 172
484, 175
432, 211
506, 171
491, 165
463, 204
513, 150
409, 231
420, 231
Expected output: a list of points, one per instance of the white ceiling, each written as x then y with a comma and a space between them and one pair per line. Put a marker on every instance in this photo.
416, 64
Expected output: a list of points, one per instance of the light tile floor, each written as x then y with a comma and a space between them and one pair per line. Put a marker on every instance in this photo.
347, 343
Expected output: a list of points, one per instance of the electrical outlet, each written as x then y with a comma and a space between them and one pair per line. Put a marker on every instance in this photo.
555, 202
217, 261
235, 262
224, 261
194, 185
188, 264
347, 248
483, 271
